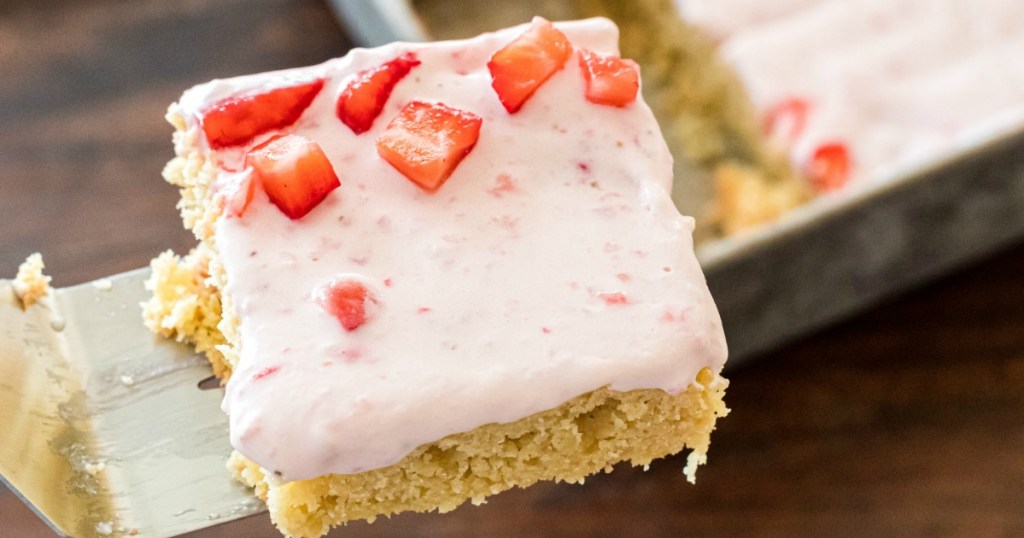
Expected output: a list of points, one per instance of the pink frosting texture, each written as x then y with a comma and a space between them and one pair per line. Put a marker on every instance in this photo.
900, 83
550, 264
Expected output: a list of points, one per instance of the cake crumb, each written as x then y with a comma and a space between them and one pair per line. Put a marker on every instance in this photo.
104, 528
694, 460
103, 284
746, 198
31, 284
127, 380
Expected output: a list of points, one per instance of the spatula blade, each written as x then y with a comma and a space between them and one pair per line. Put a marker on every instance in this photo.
105, 430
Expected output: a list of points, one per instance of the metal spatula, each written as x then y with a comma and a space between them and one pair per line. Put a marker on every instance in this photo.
104, 430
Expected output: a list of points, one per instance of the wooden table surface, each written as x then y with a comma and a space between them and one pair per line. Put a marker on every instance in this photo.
908, 420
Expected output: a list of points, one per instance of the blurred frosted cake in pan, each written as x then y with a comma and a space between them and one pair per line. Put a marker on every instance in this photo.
428, 273
793, 99
862, 90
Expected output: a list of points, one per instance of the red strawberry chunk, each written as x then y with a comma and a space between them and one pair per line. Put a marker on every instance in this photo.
610, 80
528, 62
786, 119
294, 172
829, 166
237, 120
345, 300
614, 298
365, 96
426, 141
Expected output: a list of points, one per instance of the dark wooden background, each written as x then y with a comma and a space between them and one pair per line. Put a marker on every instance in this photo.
908, 420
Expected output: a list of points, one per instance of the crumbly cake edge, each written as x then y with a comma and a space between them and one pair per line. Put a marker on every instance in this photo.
583, 436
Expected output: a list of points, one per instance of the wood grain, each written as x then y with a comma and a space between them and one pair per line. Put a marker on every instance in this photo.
82, 98
908, 420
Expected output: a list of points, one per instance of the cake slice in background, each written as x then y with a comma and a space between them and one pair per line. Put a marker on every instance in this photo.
865, 91
428, 273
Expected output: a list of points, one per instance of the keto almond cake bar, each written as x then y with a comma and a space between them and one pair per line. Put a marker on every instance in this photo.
428, 273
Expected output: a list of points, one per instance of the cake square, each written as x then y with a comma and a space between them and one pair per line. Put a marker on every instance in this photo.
428, 273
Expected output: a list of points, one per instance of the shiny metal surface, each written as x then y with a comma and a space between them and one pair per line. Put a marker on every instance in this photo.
106, 432
374, 23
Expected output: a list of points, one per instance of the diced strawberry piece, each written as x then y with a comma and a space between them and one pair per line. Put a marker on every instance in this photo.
237, 120
426, 141
345, 300
294, 172
610, 80
527, 62
829, 166
362, 100
614, 298
786, 119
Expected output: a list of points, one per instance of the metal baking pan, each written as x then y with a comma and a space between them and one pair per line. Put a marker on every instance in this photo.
821, 262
